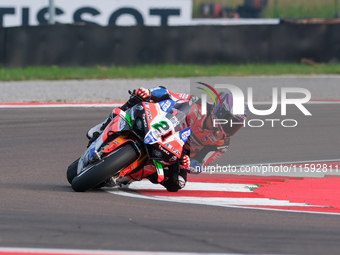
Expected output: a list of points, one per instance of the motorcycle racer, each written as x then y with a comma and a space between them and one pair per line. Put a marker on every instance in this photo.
206, 143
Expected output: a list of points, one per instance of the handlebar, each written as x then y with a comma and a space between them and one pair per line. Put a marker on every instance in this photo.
133, 100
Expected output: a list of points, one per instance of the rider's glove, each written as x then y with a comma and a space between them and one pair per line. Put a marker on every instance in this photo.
184, 162
143, 93
195, 167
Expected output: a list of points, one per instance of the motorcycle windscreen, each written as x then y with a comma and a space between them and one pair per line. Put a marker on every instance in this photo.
167, 128
119, 123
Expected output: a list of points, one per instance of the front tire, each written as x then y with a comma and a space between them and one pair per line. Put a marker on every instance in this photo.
103, 170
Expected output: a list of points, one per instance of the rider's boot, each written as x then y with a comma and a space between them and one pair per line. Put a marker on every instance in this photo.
175, 179
99, 128
96, 131
172, 181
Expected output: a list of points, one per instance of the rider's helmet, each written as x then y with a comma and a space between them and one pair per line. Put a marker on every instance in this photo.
224, 111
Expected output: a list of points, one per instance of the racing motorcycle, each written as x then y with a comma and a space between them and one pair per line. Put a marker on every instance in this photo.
139, 142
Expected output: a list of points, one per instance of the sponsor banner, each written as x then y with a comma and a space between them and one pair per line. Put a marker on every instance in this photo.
111, 12
100, 12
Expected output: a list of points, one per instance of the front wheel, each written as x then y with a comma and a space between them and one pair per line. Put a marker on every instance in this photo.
104, 169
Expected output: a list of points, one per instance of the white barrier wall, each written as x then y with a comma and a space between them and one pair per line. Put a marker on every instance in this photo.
101, 12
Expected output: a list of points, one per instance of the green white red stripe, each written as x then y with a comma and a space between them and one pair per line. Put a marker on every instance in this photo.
297, 194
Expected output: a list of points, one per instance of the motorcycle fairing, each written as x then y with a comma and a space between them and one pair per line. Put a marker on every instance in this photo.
130, 169
88, 154
160, 171
148, 169
156, 123
115, 144
166, 105
120, 123
162, 129
119, 141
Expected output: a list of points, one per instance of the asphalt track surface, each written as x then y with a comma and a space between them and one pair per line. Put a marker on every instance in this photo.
40, 210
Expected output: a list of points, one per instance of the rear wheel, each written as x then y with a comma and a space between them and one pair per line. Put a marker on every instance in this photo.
104, 169
72, 171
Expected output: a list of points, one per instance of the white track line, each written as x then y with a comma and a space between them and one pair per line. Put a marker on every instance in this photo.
217, 201
199, 186
129, 193
8, 251
231, 187
214, 201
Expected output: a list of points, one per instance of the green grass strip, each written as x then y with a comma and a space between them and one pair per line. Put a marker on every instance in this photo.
153, 71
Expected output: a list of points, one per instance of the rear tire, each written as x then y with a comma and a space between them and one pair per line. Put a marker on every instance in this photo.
72, 171
103, 170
